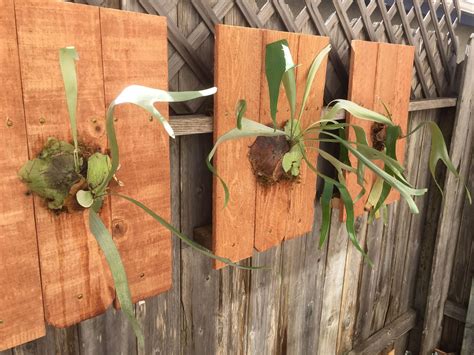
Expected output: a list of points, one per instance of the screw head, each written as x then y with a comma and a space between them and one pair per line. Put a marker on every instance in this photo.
42, 120
79, 296
9, 122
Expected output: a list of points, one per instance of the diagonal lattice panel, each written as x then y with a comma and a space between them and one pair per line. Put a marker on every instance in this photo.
427, 25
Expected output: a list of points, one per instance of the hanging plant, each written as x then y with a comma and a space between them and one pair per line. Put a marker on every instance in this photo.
71, 177
280, 149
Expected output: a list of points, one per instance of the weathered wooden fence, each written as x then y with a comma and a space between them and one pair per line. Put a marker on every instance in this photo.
311, 301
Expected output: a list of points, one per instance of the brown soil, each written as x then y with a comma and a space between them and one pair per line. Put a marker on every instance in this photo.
378, 134
265, 156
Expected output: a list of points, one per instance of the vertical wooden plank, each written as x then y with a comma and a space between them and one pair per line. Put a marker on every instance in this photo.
21, 306
235, 78
368, 281
199, 282
386, 260
75, 277
272, 203
396, 95
350, 289
363, 69
135, 52
234, 285
302, 194
333, 282
303, 268
264, 304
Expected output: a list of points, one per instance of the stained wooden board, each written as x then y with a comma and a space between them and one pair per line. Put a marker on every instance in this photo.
135, 52
272, 203
303, 194
76, 280
233, 226
379, 76
21, 306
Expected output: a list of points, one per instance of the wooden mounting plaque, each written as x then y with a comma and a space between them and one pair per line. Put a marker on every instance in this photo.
380, 73
21, 305
115, 49
256, 216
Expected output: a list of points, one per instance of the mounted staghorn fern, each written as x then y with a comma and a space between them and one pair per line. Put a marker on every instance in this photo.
72, 177
279, 151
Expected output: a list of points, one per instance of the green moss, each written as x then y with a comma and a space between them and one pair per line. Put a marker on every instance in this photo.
52, 174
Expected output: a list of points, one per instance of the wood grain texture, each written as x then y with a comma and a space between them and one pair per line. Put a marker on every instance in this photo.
448, 227
263, 315
272, 203
135, 52
75, 277
379, 77
363, 69
303, 194
383, 338
234, 238
21, 306
333, 281
350, 289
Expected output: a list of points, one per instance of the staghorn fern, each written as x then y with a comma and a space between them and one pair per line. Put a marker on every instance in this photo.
280, 69
63, 172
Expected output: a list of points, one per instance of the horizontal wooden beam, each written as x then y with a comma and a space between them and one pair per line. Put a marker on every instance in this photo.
455, 311
184, 125
432, 104
387, 335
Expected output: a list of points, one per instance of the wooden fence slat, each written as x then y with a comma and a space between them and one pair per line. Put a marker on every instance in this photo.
302, 195
135, 52
232, 238
448, 227
75, 277
21, 306
333, 282
303, 267
264, 303
368, 281
272, 203
350, 289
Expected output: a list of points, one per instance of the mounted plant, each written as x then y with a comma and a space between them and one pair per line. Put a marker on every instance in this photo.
72, 177
280, 149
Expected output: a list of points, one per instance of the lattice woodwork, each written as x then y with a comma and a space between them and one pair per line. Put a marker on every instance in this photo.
428, 25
